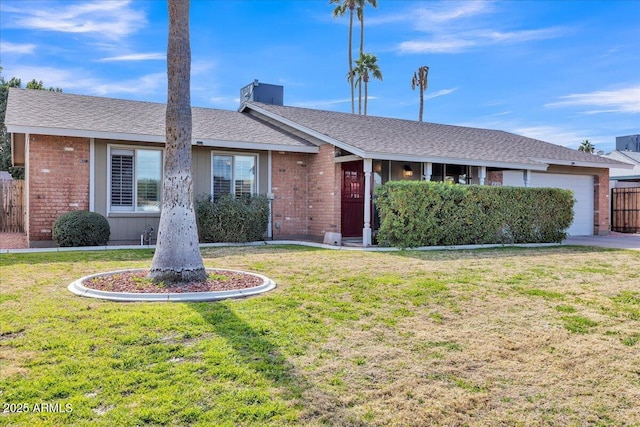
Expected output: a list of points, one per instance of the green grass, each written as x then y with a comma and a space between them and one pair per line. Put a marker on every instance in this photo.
488, 337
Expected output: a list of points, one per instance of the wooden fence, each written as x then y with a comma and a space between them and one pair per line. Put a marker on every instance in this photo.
11, 206
625, 210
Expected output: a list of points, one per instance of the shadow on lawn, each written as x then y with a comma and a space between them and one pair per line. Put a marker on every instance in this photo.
263, 357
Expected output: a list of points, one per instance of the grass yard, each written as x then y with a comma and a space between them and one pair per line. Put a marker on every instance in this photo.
547, 336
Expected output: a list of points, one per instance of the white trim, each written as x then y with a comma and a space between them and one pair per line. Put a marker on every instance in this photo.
27, 181
253, 146
345, 159
234, 154
269, 192
123, 149
482, 175
133, 137
82, 133
366, 231
603, 165
92, 171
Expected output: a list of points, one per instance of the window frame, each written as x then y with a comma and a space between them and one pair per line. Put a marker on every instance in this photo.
116, 149
234, 155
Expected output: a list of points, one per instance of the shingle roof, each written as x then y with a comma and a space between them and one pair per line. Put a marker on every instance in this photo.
378, 137
80, 114
628, 157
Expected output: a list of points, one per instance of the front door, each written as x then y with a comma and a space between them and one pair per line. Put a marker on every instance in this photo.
352, 199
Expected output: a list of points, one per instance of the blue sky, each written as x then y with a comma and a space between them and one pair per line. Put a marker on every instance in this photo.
560, 71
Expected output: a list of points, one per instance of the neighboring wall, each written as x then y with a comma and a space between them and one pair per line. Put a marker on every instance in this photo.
58, 182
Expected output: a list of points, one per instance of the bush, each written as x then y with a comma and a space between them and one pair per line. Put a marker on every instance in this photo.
230, 219
416, 214
81, 228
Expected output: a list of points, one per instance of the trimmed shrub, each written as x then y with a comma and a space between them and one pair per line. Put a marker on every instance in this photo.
230, 219
414, 213
81, 228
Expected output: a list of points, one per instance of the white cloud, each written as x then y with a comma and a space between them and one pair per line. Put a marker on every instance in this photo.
453, 27
153, 56
109, 19
321, 104
440, 93
8, 47
81, 81
625, 100
435, 46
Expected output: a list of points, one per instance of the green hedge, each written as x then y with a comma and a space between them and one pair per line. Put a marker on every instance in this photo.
81, 228
414, 213
228, 219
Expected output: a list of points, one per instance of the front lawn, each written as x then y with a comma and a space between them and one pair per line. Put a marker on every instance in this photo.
546, 336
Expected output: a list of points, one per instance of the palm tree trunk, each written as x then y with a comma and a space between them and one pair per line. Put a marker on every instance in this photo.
361, 52
366, 92
351, 6
421, 103
177, 257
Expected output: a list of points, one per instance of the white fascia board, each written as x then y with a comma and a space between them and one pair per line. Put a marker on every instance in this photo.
458, 161
308, 131
253, 146
81, 133
613, 165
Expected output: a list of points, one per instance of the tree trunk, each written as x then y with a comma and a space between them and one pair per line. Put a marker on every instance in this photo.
366, 92
421, 103
351, 6
177, 257
361, 52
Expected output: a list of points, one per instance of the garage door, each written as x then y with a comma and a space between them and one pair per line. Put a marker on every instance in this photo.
581, 185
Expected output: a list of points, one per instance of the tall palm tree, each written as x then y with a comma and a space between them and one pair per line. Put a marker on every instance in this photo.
366, 65
360, 5
419, 80
340, 10
587, 146
177, 258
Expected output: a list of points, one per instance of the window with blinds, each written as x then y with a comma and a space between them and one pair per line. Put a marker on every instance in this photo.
135, 180
233, 175
122, 181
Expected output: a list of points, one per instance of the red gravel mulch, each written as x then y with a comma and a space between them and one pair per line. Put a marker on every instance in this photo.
137, 282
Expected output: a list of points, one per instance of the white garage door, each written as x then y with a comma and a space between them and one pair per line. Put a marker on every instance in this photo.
581, 185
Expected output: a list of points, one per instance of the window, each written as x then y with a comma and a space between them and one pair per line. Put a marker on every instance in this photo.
233, 174
135, 180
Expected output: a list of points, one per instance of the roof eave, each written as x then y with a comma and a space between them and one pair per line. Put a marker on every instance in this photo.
614, 164
83, 133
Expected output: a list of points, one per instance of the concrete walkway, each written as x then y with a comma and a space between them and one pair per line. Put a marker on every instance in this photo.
614, 241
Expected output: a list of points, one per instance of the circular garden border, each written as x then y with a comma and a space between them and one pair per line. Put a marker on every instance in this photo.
78, 288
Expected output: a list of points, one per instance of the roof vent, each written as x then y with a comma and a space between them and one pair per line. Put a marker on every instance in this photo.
262, 92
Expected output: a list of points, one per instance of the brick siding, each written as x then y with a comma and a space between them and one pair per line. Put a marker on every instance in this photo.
601, 203
306, 193
58, 181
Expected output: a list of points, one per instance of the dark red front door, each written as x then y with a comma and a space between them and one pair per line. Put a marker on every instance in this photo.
352, 199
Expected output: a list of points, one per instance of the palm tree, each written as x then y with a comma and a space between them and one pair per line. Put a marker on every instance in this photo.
586, 146
366, 64
360, 13
177, 257
340, 10
420, 80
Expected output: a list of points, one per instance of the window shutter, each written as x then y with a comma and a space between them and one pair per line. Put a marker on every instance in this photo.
122, 181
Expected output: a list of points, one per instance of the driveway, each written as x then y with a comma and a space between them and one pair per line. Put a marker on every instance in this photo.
614, 240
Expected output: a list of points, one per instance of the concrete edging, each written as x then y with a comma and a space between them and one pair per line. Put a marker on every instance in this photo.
78, 288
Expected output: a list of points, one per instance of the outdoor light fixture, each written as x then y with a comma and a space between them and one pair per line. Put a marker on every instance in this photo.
407, 171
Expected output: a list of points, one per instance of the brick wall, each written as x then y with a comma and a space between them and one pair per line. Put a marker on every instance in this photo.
601, 203
324, 192
58, 181
306, 190
290, 187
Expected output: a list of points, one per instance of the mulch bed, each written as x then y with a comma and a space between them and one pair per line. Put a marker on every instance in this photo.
137, 282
